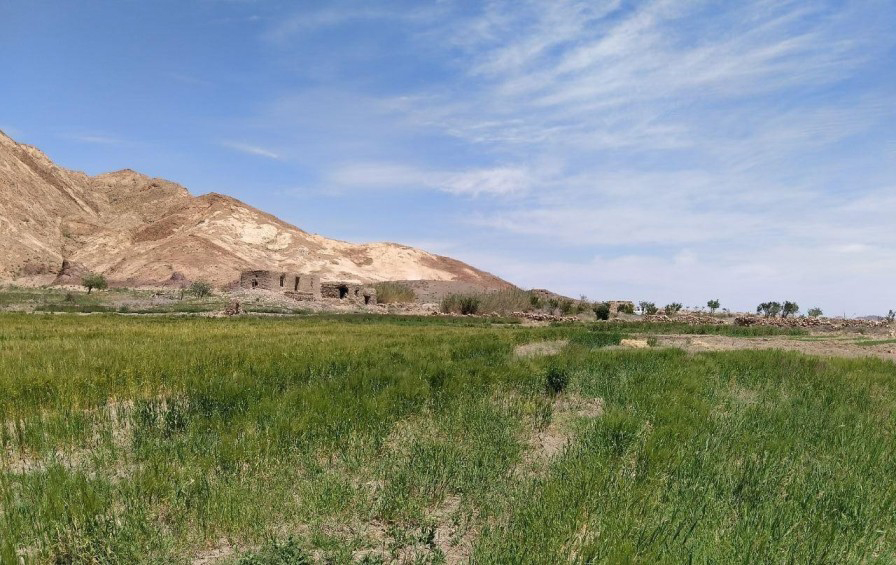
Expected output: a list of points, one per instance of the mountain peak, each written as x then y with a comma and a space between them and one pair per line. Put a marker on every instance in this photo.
139, 230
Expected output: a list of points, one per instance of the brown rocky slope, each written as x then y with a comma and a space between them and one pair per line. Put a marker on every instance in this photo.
140, 230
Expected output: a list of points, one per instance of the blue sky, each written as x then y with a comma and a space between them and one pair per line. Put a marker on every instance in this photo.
663, 150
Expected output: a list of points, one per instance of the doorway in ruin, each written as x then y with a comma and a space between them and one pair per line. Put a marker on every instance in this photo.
366, 299
297, 284
254, 283
343, 291
282, 278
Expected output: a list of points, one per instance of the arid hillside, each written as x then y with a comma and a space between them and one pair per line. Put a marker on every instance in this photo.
140, 230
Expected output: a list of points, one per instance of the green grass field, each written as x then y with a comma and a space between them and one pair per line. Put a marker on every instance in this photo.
422, 440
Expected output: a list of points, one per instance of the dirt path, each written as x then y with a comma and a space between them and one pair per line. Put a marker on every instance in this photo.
834, 346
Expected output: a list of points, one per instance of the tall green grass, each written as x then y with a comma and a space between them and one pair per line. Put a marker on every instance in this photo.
345, 438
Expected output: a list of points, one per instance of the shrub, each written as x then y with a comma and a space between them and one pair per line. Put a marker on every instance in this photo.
94, 281
567, 306
713, 305
556, 379
534, 301
815, 312
626, 308
647, 307
672, 309
200, 289
553, 304
789, 309
891, 316
460, 304
392, 292
601, 310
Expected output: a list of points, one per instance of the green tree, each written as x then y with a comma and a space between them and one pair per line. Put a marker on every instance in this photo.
647, 308
200, 289
769, 309
601, 310
789, 309
713, 305
891, 316
672, 309
815, 312
94, 281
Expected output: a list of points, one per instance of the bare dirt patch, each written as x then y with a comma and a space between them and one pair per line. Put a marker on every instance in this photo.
826, 346
548, 443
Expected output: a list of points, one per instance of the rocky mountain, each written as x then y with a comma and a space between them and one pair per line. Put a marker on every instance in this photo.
139, 230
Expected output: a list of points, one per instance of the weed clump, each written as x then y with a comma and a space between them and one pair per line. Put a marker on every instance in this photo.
556, 379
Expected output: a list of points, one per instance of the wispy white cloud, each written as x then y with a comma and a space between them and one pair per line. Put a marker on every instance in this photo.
497, 181
99, 139
250, 149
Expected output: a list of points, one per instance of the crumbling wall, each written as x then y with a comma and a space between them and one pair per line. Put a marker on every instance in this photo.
296, 285
352, 292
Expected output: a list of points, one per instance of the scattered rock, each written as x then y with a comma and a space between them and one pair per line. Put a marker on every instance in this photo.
233, 309
635, 343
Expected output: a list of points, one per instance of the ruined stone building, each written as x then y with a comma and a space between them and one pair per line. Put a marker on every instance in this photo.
306, 287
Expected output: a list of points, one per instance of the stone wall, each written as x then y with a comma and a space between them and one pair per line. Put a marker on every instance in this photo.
297, 285
348, 291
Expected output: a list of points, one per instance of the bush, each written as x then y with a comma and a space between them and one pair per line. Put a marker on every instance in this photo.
815, 312
601, 310
567, 307
891, 316
626, 308
553, 304
393, 292
672, 309
534, 301
556, 379
460, 304
94, 281
200, 289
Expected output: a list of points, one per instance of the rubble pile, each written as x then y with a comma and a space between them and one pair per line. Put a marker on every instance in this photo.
543, 317
689, 318
829, 324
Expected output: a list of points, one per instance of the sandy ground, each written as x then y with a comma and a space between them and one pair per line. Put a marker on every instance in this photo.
829, 346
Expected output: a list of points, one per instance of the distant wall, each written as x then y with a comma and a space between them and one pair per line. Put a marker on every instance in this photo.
348, 291
297, 285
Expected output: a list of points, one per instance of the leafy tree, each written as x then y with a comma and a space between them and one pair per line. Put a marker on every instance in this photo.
626, 308
200, 289
94, 281
713, 305
769, 309
672, 309
815, 312
601, 310
789, 309
647, 307
891, 316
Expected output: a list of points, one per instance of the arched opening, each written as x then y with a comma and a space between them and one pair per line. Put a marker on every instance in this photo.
366, 299
343, 291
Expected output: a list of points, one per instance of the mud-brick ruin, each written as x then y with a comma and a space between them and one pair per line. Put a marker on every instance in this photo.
307, 287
